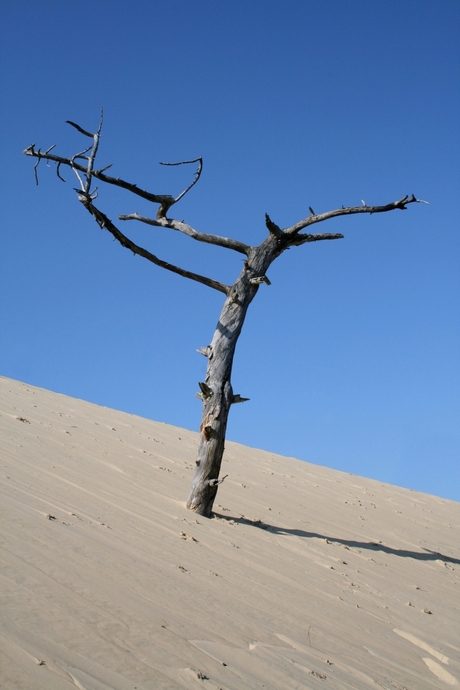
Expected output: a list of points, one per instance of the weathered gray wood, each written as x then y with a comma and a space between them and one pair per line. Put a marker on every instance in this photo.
179, 225
216, 390
218, 396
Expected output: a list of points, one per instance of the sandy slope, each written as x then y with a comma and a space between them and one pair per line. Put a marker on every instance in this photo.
306, 577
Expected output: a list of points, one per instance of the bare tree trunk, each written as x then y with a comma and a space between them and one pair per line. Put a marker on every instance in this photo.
217, 396
216, 391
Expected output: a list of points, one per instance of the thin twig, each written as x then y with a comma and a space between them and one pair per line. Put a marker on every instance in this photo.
80, 129
99, 175
102, 169
35, 170
197, 174
74, 168
58, 173
92, 157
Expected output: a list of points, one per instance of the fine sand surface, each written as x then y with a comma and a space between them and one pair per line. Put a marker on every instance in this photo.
305, 578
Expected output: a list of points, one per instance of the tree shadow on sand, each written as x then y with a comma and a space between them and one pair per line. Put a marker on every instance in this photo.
424, 555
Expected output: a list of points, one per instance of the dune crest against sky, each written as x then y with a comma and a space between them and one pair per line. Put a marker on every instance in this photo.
305, 578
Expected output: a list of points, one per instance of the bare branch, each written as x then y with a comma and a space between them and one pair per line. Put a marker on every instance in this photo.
92, 157
99, 175
318, 218
80, 129
195, 179
104, 168
302, 238
180, 226
85, 186
36, 171
58, 172
72, 165
165, 200
106, 224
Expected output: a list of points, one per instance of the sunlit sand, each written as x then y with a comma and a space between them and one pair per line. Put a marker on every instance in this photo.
306, 577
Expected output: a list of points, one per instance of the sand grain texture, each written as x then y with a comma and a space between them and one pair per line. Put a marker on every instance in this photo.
306, 578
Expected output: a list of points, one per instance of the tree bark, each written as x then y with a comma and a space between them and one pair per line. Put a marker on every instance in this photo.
216, 391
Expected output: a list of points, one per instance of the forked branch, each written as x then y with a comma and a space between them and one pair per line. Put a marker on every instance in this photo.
106, 224
83, 165
85, 174
165, 201
195, 179
98, 174
92, 156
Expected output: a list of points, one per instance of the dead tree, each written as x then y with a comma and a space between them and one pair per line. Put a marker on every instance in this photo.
216, 390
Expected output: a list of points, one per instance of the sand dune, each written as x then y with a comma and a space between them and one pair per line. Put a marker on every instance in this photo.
305, 578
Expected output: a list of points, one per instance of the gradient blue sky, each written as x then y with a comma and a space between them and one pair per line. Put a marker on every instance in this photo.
351, 356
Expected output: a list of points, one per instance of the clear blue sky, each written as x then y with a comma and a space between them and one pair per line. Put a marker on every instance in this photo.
351, 357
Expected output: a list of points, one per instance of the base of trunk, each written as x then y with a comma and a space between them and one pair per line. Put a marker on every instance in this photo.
210, 451
201, 500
